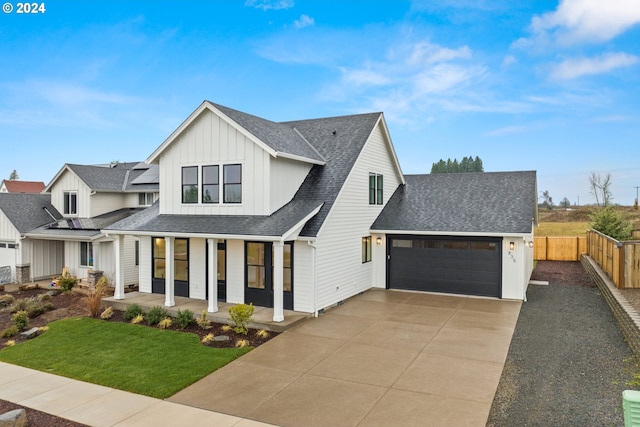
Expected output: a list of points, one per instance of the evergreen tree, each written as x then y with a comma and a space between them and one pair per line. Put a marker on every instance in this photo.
467, 164
14, 175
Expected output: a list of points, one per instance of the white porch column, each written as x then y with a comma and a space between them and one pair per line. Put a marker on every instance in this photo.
169, 268
212, 279
118, 246
96, 255
278, 295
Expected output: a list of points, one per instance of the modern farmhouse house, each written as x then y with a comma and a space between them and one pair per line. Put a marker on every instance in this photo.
302, 215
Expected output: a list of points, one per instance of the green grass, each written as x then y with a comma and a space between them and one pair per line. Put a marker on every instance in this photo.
576, 228
128, 357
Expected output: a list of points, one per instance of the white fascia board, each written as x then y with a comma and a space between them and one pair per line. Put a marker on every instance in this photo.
66, 167
60, 237
387, 135
194, 235
299, 158
447, 233
294, 231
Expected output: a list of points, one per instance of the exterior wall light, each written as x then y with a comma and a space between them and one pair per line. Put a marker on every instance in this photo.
531, 243
379, 241
512, 245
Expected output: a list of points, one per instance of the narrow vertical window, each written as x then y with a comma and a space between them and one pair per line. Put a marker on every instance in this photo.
159, 262
375, 189
86, 254
190, 184
70, 203
232, 184
210, 184
137, 252
366, 249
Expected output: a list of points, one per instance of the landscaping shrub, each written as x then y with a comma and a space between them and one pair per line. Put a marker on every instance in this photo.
32, 306
6, 300
132, 311
67, 282
156, 314
207, 339
165, 323
138, 319
11, 331
241, 315
20, 320
184, 318
107, 313
95, 295
203, 321
610, 221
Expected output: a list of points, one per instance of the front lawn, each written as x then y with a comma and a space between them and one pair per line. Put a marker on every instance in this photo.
128, 357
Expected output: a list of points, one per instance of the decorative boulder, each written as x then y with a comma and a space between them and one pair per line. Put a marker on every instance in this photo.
15, 418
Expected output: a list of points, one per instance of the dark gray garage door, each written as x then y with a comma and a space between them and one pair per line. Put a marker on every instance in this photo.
456, 265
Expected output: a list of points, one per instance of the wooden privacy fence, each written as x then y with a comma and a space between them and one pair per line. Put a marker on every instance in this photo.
620, 260
559, 248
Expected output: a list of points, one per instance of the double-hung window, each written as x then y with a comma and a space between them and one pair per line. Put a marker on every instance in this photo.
86, 254
70, 203
190, 184
375, 189
232, 180
145, 199
210, 184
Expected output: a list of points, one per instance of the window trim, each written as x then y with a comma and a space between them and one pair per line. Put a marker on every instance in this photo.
376, 188
366, 249
86, 254
225, 183
216, 184
145, 196
185, 186
67, 197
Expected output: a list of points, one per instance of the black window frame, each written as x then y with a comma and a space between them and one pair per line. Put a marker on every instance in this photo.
214, 187
70, 202
366, 249
376, 186
86, 254
189, 188
226, 196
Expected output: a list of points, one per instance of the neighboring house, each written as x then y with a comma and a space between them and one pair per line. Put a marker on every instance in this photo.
14, 186
300, 215
90, 198
26, 258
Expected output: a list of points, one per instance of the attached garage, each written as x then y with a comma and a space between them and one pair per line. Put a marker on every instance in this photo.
471, 266
7, 259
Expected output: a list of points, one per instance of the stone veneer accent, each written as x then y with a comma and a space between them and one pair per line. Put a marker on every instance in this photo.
23, 273
627, 316
94, 276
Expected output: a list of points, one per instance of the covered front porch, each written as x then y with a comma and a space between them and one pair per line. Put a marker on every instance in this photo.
262, 316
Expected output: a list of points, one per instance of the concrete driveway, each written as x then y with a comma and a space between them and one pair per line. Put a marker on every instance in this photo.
382, 358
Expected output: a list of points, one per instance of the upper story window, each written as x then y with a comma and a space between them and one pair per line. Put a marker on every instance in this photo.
232, 184
211, 184
190, 184
70, 203
375, 189
145, 199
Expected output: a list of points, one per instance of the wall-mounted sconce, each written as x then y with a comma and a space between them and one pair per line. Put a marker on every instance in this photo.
379, 241
512, 245
530, 243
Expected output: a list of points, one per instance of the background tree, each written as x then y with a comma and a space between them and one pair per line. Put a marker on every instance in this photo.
547, 200
13, 175
610, 221
467, 164
600, 188
565, 203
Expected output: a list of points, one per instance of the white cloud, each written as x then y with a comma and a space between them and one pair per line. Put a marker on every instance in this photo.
577, 67
508, 60
304, 21
508, 130
270, 4
576, 21
425, 53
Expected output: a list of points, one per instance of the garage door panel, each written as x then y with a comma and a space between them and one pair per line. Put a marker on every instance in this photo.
443, 264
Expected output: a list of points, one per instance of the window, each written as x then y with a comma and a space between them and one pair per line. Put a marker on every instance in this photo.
401, 243
232, 184
159, 263
12, 245
210, 184
70, 203
181, 260
190, 184
366, 249
86, 254
287, 268
375, 189
145, 199
137, 252
454, 244
256, 268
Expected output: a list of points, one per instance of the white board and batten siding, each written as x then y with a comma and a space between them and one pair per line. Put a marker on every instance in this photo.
45, 257
197, 269
340, 270
69, 181
235, 271
102, 203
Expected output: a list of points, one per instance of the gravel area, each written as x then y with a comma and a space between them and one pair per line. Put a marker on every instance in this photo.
568, 362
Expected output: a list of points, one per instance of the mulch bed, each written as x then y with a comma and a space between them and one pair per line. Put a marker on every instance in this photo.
72, 304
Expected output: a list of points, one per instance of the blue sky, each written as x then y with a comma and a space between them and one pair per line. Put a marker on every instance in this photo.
545, 85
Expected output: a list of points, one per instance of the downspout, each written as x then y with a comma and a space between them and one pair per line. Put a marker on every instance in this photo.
314, 278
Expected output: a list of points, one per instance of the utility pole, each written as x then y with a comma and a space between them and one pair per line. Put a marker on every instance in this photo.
635, 204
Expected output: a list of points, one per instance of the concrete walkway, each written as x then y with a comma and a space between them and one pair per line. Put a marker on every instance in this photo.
382, 358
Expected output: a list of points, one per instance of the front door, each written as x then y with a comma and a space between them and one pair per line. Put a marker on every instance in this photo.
180, 263
259, 274
222, 271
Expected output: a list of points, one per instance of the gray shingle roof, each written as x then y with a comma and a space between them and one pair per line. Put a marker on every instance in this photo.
27, 211
486, 202
117, 178
340, 149
276, 224
280, 137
